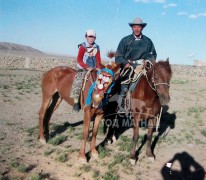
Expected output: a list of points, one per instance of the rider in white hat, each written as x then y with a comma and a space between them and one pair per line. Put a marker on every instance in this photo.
88, 58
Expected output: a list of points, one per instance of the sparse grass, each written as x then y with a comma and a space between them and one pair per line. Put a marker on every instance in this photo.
57, 140
48, 152
102, 152
127, 167
35, 177
198, 141
125, 143
101, 128
28, 84
85, 168
118, 159
18, 166
62, 157
195, 110
79, 135
17, 97
203, 132
22, 168
110, 175
32, 131
96, 174
54, 127
70, 131
10, 124
188, 137
5, 87
180, 81
39, 176
82, 169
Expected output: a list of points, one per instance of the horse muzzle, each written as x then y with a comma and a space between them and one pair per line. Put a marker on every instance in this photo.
164, 100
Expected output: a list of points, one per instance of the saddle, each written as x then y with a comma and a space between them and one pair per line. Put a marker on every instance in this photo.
134, 75
78, 85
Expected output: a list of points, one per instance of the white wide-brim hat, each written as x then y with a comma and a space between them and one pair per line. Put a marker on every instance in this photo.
137, 21
91, 32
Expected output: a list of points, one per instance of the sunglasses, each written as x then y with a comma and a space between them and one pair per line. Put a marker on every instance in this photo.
91, 36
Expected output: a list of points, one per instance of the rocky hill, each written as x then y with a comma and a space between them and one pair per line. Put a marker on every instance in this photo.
16, 49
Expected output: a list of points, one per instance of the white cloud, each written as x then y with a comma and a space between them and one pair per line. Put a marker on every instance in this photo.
150, 1
195, 16
192, 16
159, 1
191, 54
202, 14
182, 13
170, 5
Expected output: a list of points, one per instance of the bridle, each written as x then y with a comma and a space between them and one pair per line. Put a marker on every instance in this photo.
154, 84
94, 85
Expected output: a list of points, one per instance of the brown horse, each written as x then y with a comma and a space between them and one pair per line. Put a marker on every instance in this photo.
57, 85
151, 92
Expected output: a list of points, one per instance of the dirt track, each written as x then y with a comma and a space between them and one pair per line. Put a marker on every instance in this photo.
23, 157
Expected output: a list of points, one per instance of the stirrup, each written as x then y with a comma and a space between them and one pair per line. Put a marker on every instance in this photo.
120, 109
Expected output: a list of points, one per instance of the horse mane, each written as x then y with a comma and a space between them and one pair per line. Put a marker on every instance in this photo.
111, 54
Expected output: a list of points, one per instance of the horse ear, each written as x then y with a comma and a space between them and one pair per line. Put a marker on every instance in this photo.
167, 60
153, 62
101, 65
116, 67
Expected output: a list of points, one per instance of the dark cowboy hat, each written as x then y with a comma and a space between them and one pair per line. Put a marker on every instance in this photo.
138, 21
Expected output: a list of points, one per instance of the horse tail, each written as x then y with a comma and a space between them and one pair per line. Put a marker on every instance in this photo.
44, 75
112, 54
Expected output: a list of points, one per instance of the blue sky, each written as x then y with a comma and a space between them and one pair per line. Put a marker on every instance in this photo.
176, 27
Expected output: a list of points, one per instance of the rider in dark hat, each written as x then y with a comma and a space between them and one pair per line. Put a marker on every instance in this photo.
131, 49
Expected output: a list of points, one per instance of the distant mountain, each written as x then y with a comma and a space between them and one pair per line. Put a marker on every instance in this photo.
12, 48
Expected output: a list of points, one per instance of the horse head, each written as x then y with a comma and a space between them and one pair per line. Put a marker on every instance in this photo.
161, 80
105, 80
104, 83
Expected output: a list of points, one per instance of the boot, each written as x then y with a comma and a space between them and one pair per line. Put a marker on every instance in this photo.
76, 107
122, 95
120, 103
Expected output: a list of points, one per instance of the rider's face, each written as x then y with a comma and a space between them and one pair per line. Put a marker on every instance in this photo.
137, 30
90, 39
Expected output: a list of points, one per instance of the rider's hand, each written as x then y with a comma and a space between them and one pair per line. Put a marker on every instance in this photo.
127, 65
89, 68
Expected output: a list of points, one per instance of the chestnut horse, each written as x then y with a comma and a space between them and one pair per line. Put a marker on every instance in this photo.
151, 92
57, 85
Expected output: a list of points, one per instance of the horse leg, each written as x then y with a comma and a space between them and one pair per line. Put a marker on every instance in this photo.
135, 139
110, 136
149, 139
97, 120
45, 103
87, 120
50, 110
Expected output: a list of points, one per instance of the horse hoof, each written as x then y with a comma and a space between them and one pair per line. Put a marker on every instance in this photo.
114, 139
132, 161
151, 159
95, 155
82, 160
109, 142
43, 141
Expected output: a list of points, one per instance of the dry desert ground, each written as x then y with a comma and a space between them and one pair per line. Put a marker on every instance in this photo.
182, 144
